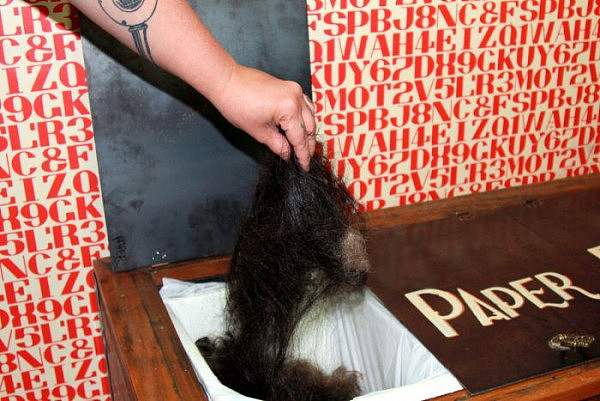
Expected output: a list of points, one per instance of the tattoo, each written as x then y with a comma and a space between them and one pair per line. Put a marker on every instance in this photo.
133, 14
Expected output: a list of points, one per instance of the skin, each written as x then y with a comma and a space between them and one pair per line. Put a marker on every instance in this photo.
275, 112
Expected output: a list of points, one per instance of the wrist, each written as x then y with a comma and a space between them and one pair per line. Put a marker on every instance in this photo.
219, 86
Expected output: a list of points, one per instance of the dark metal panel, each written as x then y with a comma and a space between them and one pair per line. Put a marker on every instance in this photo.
175, 176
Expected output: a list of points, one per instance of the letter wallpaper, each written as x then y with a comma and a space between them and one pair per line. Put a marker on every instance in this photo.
103, 154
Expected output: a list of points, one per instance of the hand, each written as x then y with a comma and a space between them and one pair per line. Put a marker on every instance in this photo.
273, 111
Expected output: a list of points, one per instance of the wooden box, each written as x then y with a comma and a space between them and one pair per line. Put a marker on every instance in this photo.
147, 362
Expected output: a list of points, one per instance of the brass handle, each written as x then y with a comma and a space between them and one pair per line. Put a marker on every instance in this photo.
565, 342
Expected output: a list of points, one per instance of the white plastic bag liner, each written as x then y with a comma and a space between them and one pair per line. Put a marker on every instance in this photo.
360, 335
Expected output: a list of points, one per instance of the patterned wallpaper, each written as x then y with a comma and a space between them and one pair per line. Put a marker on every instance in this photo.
425, 100
51, 214
417, 100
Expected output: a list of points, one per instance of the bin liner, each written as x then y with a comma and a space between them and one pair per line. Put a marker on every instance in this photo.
359, 334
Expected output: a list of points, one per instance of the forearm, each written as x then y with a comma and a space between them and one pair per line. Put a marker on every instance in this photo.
177, 40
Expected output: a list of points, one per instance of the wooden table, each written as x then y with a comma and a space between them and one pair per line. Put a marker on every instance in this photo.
147, 362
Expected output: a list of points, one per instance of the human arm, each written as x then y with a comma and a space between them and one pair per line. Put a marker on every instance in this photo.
254, 101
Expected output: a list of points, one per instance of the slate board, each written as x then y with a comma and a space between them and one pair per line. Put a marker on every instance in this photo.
175, 176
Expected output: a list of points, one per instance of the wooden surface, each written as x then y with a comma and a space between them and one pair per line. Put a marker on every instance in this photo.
192, 270
147, 362
577, 383
493, 250
465, 207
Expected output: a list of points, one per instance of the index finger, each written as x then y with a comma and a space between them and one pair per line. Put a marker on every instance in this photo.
297, 136
299, 132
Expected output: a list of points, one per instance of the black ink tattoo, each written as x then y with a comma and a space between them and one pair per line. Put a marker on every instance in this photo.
133, 14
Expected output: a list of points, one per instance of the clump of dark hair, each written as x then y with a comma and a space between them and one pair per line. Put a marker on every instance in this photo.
296, 249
